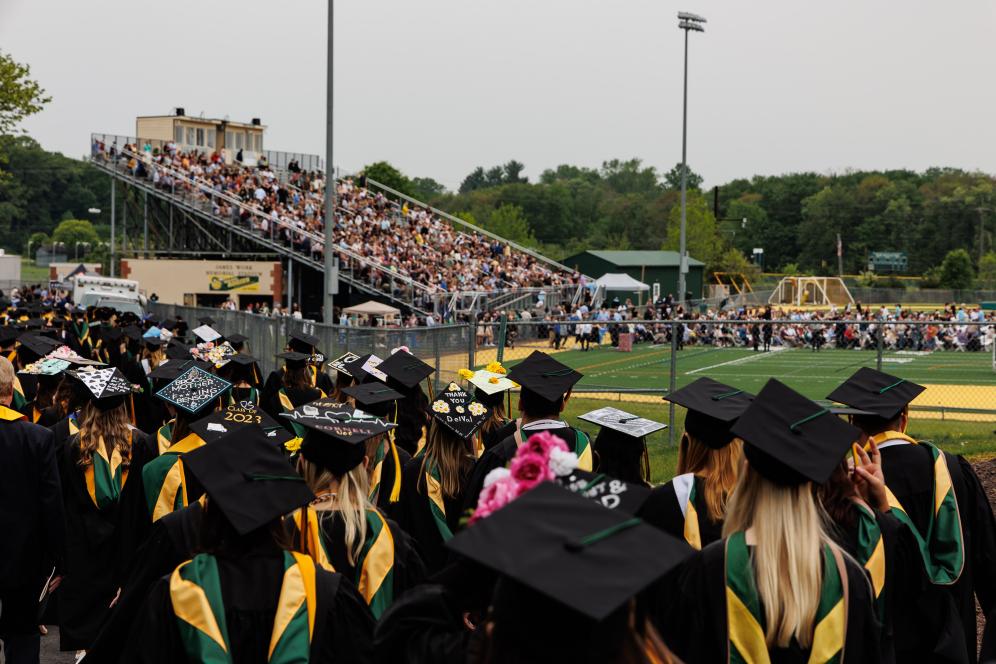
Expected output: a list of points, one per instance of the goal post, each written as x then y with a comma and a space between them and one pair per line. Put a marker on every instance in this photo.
811, 291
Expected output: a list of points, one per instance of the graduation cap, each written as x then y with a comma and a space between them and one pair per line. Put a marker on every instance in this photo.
46, 367
336, 432
365, 367
248, 479
193, 390
339, 363
623, 422
38, 344
169, 370
237, 339
8, 335
205, 320
239, 417
790, 439
154, 342
405, 369
544, 375
879, 393
106, 387
607, 491
112, 334
206, 333
245, 368
303, 343
491, 382
713, 407
177, 351
458, 411
371, 394
133, 333
293, 359
152, 333
571, 542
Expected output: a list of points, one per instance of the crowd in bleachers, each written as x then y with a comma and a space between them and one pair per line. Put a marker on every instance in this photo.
387, 237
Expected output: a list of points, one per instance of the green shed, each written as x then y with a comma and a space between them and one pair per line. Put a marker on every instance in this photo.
650, 267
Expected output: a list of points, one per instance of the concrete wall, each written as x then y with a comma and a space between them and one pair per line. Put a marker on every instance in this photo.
10, 268
183, 281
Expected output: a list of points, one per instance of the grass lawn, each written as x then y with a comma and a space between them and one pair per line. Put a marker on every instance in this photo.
31, 273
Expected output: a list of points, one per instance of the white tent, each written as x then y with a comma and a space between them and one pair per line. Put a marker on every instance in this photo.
619, 281
371, 308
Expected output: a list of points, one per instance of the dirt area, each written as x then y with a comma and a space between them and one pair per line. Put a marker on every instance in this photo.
986, 470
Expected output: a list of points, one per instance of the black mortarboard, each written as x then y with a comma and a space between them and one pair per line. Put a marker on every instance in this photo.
206, 320
245, 368
303, 343
248, 478
458, 411
623, 422
560, 545
606, 491
236, 339
335, 433
293, 359
106, 388
405, 369
193, 390
154, 342
881, 394
544, 375
111, 334
371, 394
790, 439
35, 344
713, 407
167, 371
239, 417
340, 364
133, 332
8, 335
177, 351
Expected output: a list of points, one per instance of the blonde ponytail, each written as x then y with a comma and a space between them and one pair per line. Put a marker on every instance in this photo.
789, 535
351, 501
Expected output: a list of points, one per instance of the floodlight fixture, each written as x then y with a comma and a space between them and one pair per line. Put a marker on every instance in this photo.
688, 16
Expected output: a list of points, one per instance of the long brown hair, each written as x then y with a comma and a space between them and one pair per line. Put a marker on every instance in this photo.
718, 467
449, 453
112, 426
297, 378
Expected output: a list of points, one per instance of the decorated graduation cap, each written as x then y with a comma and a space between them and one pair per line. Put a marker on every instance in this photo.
248, 479
790, 439
194, 390
335, 433
206, 333
622, 422
876, 392
545, 376
303, 343
365, 368
239, 417
341, 363
106, 388
46, 367
713, 407
404, 369
607, 491
458, 411
571, 543
488, 380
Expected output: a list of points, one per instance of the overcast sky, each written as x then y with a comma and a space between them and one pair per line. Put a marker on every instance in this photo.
438, 87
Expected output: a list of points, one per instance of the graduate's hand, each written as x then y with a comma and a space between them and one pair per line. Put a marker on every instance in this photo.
54, 583
868, 478
114, 601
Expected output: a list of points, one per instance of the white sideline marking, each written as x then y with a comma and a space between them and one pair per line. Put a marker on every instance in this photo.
739, 360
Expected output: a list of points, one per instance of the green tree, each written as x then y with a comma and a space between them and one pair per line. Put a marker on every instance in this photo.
426, 189
701, 239
509, 222
34, 243
72, 231
385, 173
987, 271
20, 96
956, 270
513, 172
672, 179
630, 177
475, 180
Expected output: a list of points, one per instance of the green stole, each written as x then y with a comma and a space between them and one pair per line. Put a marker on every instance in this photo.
871, 554
374, 566
582, 445
104, 476
196, 598
942, 547
745, 618
164, 481
434, 491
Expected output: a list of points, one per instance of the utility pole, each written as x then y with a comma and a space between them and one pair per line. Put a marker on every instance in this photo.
686, 22
840, 257
114, 269
982, 232
329, 271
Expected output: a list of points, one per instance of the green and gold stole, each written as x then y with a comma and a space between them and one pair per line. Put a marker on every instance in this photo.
378, 469
582, 446
253, 397
375, 565
942, 547
745, 618
870, 553
164, 481
19, 401
164, 437
195, 594
73, 422
691, 530
10, 415
434, 490
105, 477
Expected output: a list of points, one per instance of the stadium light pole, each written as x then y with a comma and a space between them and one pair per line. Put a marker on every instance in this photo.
687, 22
329, 265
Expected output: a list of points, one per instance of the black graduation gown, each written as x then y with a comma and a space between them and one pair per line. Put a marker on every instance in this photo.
133, 513
297, 396
423, 627
908, 471
172, 540
250, 586
60, 432
408, 570
268, 395
92, 553
499, 456
495, 436
662, 510
415, 517
987, 653
689, 610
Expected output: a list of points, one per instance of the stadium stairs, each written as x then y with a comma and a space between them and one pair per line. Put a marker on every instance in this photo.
198, 201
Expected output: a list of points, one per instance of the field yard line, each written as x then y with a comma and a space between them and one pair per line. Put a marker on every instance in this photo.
739, 360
